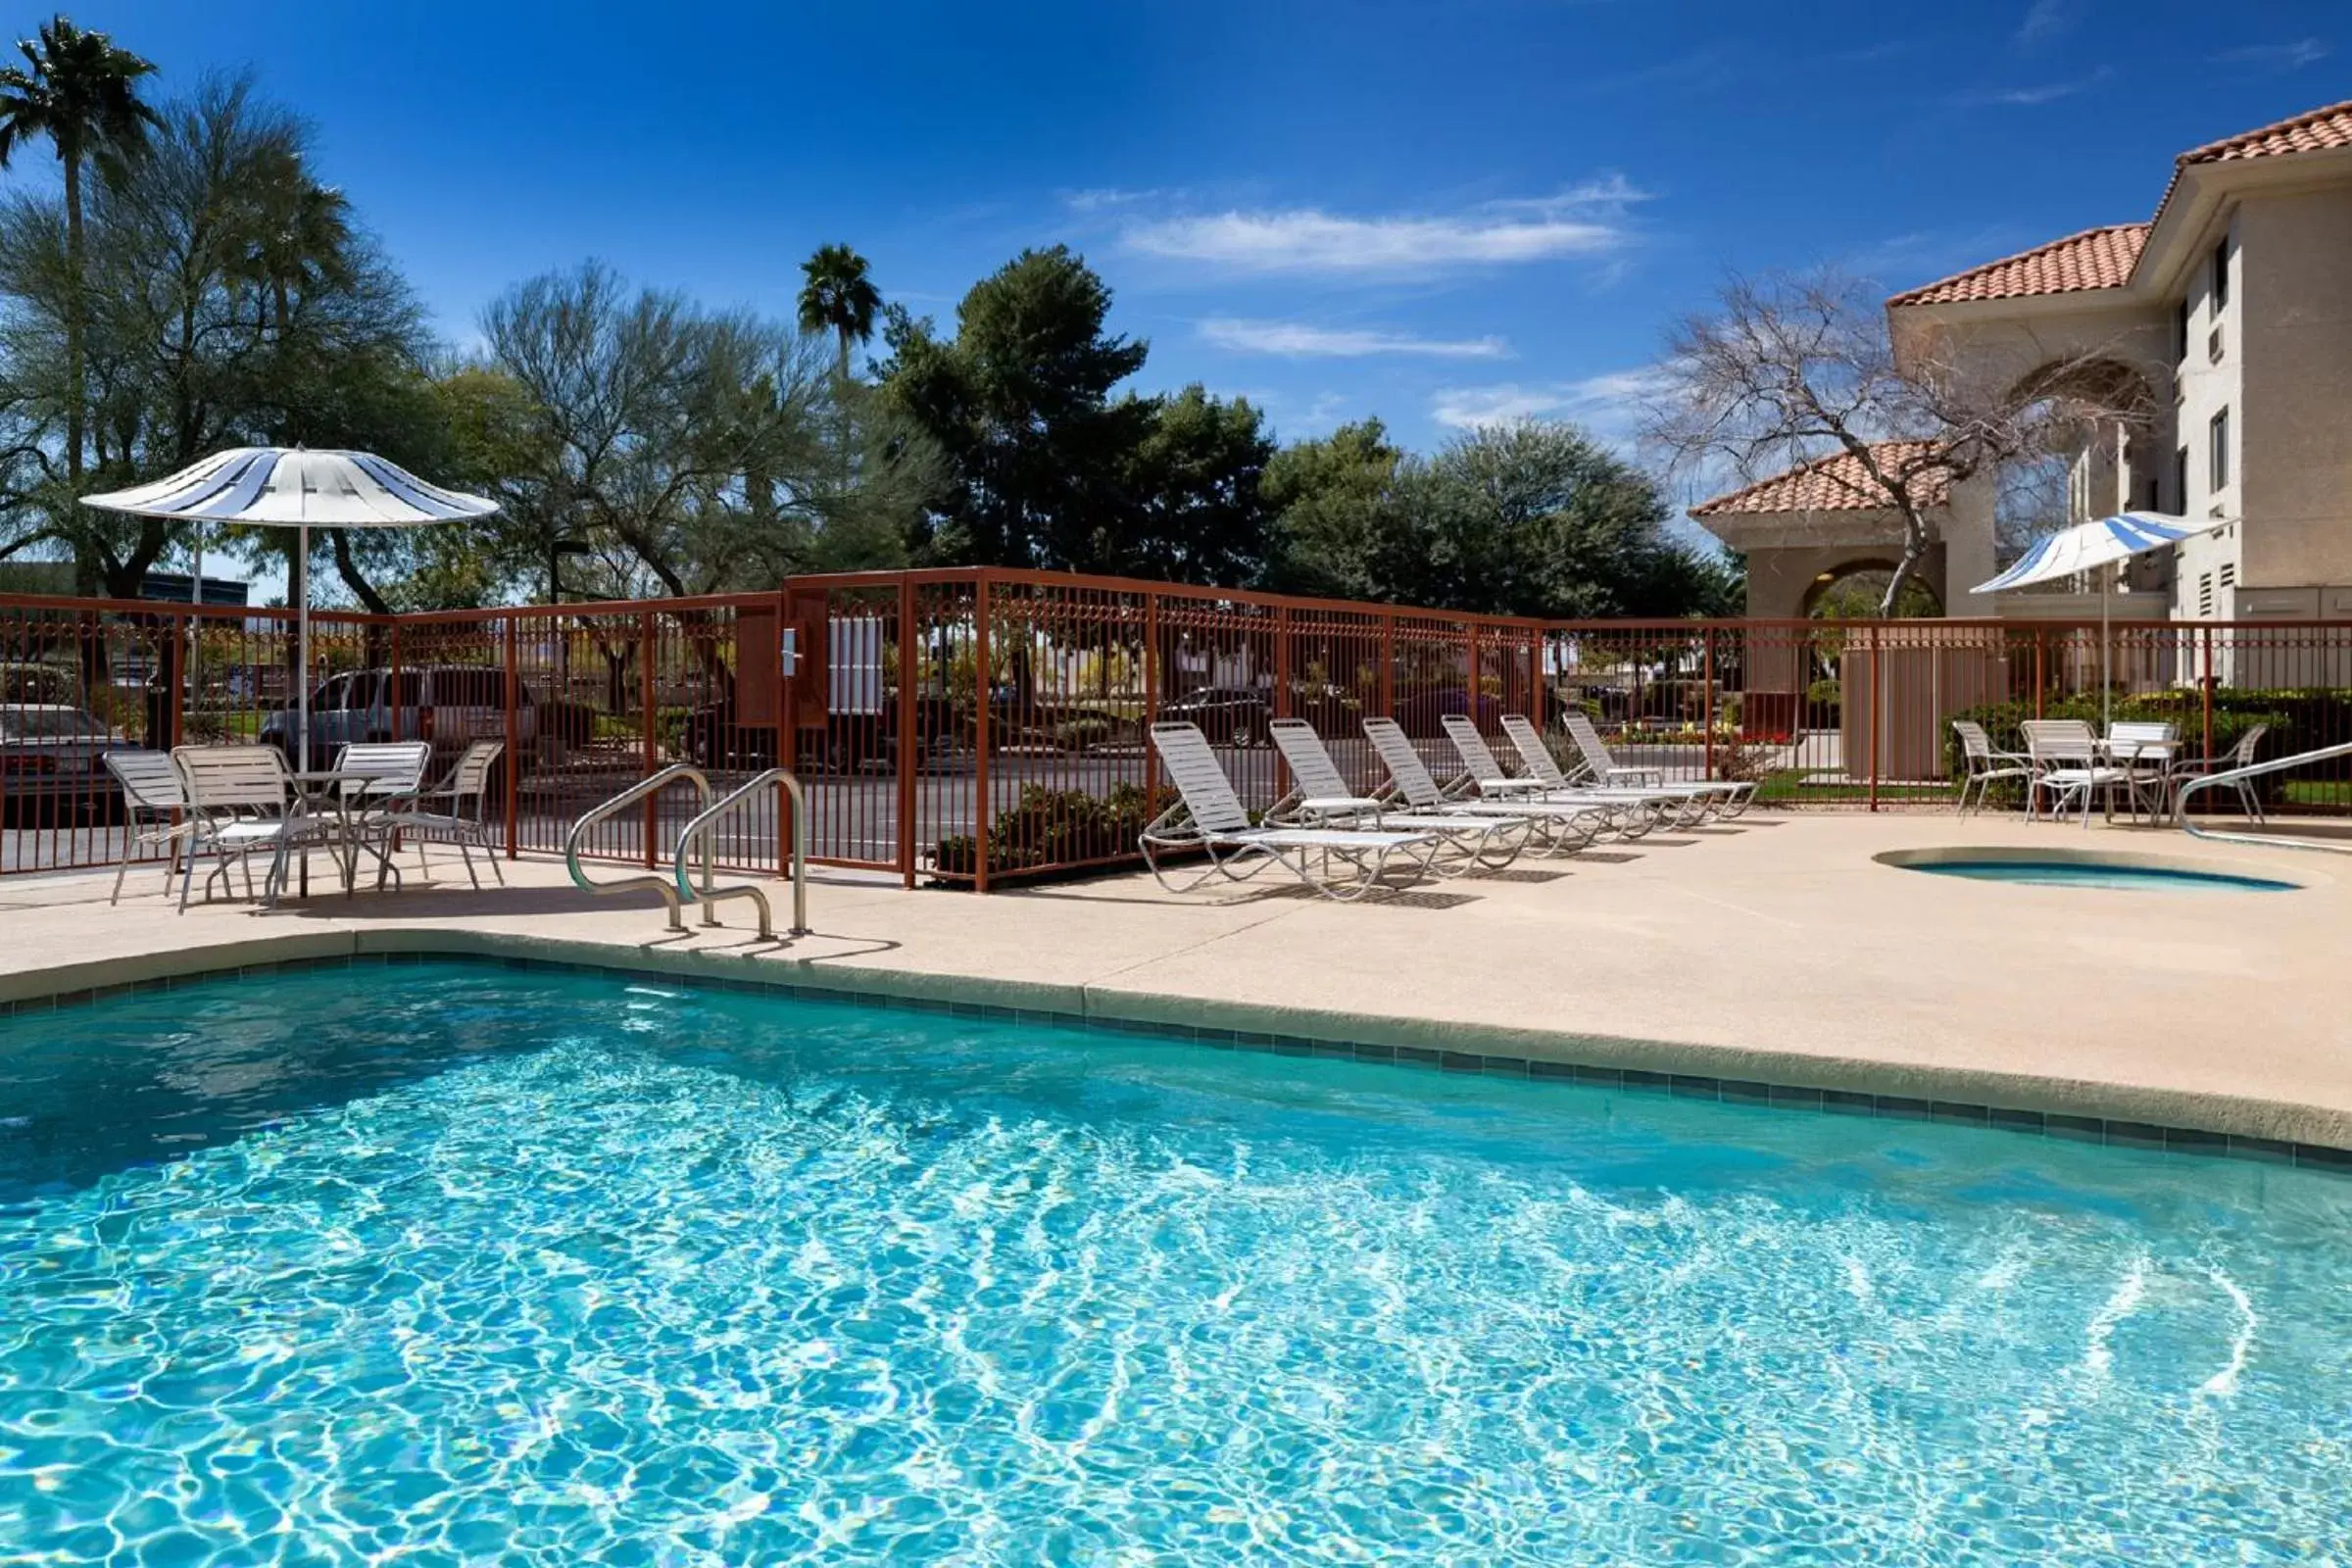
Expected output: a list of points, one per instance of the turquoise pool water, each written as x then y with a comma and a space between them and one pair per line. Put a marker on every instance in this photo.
444, 1264
2098, 875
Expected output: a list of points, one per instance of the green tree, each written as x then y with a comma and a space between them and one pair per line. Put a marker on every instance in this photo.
294, 234
81, 91
1328, 500
1193, 483
838, 297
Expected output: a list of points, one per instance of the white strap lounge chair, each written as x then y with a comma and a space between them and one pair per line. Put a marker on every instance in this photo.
1631, 811
241, 799
1343, 864
1646, 808
1321, 798
2065, 759
1563, 826
155, 812
1731, 797
1984, 765
457, 813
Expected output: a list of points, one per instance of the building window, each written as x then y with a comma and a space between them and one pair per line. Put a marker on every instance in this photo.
2221, 276
2181, 332
2217, 456
2228, 573
2181, 481
2205, 594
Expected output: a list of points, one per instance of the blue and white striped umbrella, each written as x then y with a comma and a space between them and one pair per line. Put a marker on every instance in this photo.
2092, 545
294, 487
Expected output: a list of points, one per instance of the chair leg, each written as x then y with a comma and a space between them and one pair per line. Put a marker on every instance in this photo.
491, 854
131, 839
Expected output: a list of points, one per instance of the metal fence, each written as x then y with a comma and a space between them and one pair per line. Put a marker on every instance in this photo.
977, 726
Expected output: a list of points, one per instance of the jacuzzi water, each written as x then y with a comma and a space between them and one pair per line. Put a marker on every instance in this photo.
443, 1264
2116, 874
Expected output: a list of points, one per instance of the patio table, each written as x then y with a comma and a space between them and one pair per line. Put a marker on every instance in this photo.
351, 794
2146, 761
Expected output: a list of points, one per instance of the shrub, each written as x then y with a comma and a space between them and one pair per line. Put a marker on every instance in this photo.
1049, 827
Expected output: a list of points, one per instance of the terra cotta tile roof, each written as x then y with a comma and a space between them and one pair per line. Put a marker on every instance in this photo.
2103, 258
1834, 483
2096, 258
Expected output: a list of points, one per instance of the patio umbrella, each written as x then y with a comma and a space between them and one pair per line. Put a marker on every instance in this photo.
2089, 546
292, 487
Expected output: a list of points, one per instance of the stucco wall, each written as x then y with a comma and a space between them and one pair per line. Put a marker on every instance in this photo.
2295, 446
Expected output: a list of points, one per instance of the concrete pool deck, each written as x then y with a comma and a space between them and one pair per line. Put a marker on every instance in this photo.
1768, 950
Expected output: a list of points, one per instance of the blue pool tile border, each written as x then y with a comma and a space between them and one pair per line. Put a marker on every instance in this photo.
2147, 1136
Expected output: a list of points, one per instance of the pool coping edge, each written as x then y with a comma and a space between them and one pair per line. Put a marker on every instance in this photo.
2139, 1116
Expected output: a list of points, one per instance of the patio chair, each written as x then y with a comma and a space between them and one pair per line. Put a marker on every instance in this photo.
380, 778
1209, 818
1650, 806
241, 799
2146, 749
1320, 796
1565, 826
2064, 756
155, 812
1984, 765
1727, 798
2239, 755
460, 817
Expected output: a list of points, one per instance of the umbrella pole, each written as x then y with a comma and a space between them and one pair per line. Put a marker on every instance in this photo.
2106, 658
302, 685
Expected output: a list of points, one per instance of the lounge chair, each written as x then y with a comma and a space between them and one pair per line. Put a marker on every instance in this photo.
155, 812
1321, 798
460, 817
1634, 811
1984, 767
241, 799
2065, 758
1563, 826
1729, 797
1343, 864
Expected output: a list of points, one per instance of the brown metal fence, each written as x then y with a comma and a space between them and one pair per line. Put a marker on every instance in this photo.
976, 726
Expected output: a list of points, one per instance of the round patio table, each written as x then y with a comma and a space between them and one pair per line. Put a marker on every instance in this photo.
350, 794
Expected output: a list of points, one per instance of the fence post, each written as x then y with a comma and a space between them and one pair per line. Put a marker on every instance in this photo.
652, 743
2040, 660
2206, 683
1151, 703
1877, 700
1388, 664
984, 692
392, 696
910, 742
1282, 661
788, 709
1535, 678
513, 738
1706, 680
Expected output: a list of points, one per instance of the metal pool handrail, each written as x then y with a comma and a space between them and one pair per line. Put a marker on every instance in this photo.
709, 817
2235, 775
638, 884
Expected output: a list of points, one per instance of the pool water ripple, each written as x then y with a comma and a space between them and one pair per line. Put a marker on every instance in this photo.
477, 1270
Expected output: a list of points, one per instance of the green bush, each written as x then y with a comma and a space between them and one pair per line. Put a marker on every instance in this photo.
1049, 827
2300, 720
1824, 700
1083, 734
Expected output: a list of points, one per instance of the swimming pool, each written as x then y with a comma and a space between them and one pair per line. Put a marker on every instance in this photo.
476, 1264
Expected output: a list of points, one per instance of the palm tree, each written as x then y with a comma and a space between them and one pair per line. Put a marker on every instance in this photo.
80, 92
297, 235
838, 297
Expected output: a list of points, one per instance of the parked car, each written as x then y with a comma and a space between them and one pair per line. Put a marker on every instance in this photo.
50, 746
1228, 715
446, 704
1420, 713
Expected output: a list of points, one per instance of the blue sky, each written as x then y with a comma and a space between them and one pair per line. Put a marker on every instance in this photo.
1436, 212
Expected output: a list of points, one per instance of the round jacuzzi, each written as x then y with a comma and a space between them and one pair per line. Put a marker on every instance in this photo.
2084, 868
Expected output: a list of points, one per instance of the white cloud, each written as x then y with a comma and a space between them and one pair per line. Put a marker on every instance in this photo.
1299, 341
1586, 220
2292, 56
2045, 18
2046, 92
1608, 405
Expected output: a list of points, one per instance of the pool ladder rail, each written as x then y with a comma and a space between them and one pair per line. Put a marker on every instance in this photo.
679, 889
2234, 776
